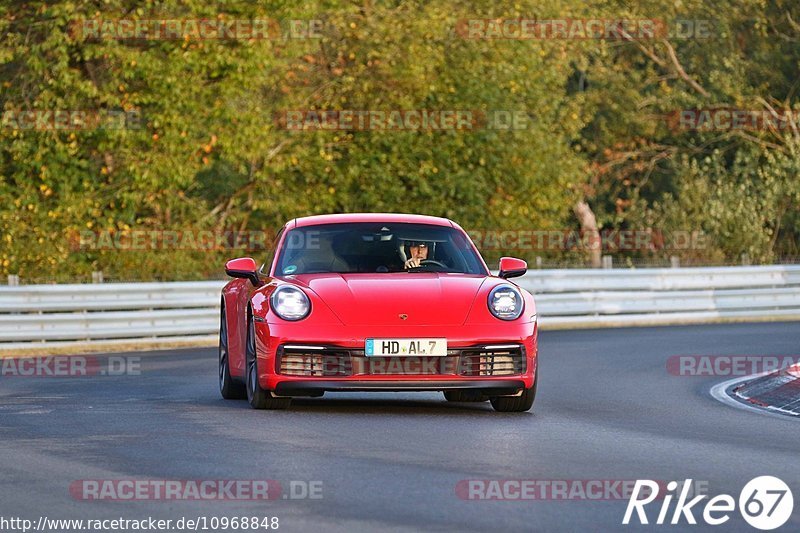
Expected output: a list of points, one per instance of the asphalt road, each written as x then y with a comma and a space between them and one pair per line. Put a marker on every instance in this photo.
607, 410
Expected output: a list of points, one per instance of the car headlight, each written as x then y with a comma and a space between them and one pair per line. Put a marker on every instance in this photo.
290, 303
505, 302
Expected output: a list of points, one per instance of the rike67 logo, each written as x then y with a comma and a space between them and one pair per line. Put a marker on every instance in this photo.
765, 503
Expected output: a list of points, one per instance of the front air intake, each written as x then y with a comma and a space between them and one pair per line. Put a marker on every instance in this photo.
313, 361
506, 361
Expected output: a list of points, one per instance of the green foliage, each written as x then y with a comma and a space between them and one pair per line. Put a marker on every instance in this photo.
739, 187
207, 152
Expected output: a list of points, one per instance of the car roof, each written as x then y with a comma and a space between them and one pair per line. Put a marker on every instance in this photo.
369, 217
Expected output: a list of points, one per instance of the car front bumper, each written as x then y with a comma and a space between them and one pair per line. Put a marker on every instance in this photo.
306, 361
493, 387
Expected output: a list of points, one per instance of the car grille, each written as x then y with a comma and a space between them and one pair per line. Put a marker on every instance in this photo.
318, 361
493, 362
301, 361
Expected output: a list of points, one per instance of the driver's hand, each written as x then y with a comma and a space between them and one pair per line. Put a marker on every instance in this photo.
412, 263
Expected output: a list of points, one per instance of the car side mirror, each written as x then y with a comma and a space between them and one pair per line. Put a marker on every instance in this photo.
243, 267
511, 267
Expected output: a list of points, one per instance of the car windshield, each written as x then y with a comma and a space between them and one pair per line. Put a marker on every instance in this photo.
375, 247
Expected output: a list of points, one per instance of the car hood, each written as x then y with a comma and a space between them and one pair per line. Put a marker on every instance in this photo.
425, 298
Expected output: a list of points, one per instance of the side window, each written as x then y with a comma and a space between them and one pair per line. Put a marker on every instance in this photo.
265, 268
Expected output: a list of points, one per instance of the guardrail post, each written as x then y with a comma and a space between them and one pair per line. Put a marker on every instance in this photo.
674, 261
13, 280
746, 260
538, 261
97, 276
607, 262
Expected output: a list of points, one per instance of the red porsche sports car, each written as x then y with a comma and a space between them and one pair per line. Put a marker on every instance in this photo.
376, 302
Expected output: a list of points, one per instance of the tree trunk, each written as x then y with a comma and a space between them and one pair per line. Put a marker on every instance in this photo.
589, 231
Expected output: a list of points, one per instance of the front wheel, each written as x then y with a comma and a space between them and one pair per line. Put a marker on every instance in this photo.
257, 397
229, 387
516, 404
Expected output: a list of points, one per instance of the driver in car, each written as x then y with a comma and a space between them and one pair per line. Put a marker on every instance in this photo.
418, 252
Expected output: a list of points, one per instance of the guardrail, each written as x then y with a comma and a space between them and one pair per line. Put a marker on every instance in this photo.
54, 315
569, 298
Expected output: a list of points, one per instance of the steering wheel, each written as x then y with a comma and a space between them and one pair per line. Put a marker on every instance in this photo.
432, 262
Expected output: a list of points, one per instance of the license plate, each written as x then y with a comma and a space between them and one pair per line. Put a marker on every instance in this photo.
405, 347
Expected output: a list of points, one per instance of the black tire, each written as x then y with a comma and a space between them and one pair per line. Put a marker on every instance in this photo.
516, 404
464, 396
229, 387
257, 397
